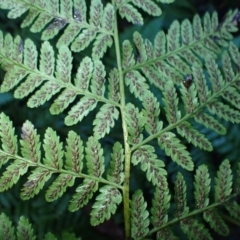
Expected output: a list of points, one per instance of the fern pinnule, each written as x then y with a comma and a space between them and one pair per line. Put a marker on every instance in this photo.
210, 122
74, 153
105, 205
104, 120
30, 143
139, 216
115, 172
135, 124
113, 85
202, 186
193, 136
176, 150
216, 222
150, 164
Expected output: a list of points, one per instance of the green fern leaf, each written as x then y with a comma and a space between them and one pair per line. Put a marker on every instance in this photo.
115, 173
83, 40
12, 174
53, 28
223, 181
32, 15
180, 196
127, 54
17, 11
148, 6
137, 84
139, 43
193, 136
214, 73
160, 44
168, 72
210, 122
113, 87
35, 183
105, 205
44, 94
42, 20
227, 67
201, 83
176, 150
171, 103
64, 65
12, 78
234, 53
30, 143
94, 156
194, 230
84, 74
139, 216
186, 32
179, 64
150, 164
105, 120
24, 230
30, 54
189, 96
8, 46
173, 36
81, 109
74, 153
135, 123
100, 45
165, 1
53, 150
96, 12
83, 194
47, 59
98, 78
233, 208
160, 205
153, 77
66, 9
108, 18
233, 96
131, 14
224, 111
31, 82
216, 222
6, 228
66, 97
202, 186
70, 33
59, 186
8, 139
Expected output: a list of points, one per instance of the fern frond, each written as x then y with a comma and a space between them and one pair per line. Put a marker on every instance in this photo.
139, 216
105, 205
24, 229
6, 228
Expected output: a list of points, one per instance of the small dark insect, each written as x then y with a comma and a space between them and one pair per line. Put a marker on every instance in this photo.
187, 82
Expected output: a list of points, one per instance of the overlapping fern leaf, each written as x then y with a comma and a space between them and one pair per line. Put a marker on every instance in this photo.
61, 167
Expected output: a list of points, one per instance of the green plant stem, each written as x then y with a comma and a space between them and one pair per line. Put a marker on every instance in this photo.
127, 161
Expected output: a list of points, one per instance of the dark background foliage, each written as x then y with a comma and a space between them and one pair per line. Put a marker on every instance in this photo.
54, 216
